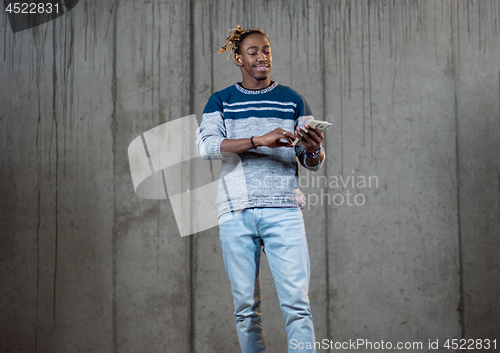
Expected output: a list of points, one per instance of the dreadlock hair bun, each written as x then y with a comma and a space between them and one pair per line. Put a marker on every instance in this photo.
236, 38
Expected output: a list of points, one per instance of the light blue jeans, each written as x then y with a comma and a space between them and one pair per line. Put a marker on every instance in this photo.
282, 234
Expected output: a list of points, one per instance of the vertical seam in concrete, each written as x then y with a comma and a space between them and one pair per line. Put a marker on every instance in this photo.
211, 44
54, 117
191, 240
363, 69
324, 98
454, 55
38, 182
341, 90
113, 132
370, 77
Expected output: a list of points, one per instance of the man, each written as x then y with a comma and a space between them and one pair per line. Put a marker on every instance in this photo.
260, 204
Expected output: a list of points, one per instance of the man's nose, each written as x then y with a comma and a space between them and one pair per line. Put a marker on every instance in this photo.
261, 56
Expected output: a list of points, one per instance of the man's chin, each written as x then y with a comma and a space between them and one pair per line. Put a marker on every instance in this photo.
262, 76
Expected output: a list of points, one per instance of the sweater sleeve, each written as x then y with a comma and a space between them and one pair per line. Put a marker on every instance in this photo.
304, 116
212, 130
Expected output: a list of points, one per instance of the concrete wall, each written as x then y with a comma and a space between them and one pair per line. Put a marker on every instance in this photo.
413, 88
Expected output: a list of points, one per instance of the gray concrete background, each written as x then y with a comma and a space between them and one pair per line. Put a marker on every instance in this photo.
413, 88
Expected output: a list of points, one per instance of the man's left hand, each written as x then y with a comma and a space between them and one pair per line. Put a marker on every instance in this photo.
312, 139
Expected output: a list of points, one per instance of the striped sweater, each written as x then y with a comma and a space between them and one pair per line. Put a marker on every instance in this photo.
261, 177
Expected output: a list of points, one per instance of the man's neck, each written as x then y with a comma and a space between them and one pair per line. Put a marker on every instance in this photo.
256, 84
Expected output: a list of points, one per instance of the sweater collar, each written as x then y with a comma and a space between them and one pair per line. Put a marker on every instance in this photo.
256, 91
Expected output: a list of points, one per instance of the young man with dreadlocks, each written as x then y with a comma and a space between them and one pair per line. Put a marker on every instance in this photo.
259, 203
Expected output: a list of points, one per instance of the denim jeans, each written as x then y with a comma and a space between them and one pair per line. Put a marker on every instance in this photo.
281, 233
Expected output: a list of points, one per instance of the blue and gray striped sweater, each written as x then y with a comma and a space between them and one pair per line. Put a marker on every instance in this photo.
262, 177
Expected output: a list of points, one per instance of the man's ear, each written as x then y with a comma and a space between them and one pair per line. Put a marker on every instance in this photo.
237, 59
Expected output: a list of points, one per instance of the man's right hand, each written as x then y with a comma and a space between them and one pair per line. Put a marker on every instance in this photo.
275, 139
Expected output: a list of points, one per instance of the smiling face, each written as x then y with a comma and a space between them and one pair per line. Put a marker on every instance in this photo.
255, 60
